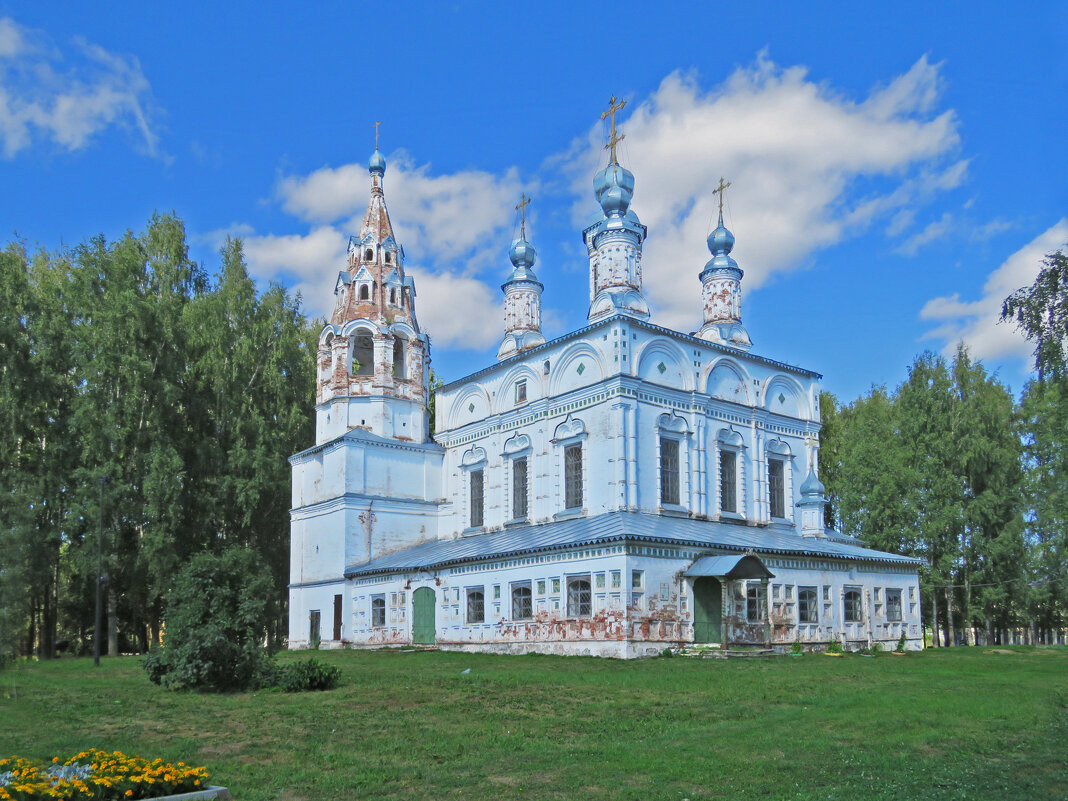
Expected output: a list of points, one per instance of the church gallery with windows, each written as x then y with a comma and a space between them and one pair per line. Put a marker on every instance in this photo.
615, 491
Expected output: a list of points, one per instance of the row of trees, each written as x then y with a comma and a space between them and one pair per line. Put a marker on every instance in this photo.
948, 468
148, 411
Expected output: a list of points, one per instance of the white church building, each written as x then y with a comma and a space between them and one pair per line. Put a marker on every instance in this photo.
621, 489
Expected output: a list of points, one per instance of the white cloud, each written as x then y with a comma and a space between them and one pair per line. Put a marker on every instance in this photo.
977, 322
794, 150
458, 311
931, 232
306, 263
39, 98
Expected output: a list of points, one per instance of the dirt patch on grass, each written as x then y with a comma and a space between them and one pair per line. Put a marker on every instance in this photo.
998, 651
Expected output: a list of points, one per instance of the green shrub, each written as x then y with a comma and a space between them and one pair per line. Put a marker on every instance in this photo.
876, 648
216, 623
834, 646
902, 641
309, 674
797, 648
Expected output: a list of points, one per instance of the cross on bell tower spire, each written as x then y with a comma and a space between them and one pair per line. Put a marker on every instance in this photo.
613, 139
524, 201
721, 190
377, 123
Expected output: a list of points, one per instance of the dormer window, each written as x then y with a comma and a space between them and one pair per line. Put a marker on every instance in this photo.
389, 258
365, 292
369, 254
392, 291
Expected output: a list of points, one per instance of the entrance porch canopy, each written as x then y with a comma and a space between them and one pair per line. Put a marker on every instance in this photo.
741, 566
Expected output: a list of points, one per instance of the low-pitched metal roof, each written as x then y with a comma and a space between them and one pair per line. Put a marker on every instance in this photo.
735, 566
615, 527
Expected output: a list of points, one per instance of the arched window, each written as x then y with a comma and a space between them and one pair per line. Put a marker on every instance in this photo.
522, 608
378, 611
365, 292
578, 597
807, 611
851, 601
476, 606
363, 354
393, 296
389, 257
369, 254
400, 369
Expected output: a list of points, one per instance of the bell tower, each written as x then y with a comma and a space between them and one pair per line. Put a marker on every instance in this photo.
373, 361
614, 243
721, 288
522, 295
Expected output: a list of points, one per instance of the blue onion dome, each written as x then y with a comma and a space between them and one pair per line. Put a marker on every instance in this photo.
812, 485
522, 254
377, 163
720, 240
614, 187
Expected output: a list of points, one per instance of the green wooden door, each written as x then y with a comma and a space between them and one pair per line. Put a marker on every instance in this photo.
423, 616
707, 610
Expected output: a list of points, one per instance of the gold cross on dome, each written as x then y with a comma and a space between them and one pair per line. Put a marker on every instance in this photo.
613, 139
376, 134
524, 201
721, 189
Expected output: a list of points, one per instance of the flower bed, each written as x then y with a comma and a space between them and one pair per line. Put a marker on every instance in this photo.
99, 775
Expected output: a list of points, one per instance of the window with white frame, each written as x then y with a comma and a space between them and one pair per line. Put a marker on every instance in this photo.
728, 481
777, 486
893, 606
851, 606
573, 476
522, 603
476, 605
521, 391
476, 480
807, 608
519, 488
756, 602
579, 599
378, 611
669, 471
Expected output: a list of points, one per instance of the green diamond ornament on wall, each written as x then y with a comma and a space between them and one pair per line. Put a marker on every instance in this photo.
470, 407
782, 398
661, 367
580, 368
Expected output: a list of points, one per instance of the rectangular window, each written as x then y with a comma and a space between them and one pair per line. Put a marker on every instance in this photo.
314, 623
728, 481
669, 471
522, 606
378, 611
636, 579
777, 487
617, 579
476, 605
541, 586
573, 477
851, 603
578, 596
806, 605
521, 391
496, 592
893, 606
600, 581
756, 603
519, 488
556, 585
337, 617
477, 498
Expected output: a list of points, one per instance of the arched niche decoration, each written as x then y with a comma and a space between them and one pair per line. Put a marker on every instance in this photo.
571, 428
578, 366
783, 395
729, 381
471, 404
673, 423
728, 437
662, 361
516, 444
780, 448
473, 458
506, 393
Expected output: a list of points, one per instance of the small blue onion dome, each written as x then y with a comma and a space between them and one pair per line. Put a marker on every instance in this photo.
377, 163
614, 188
720, 240
522, 254
812, 485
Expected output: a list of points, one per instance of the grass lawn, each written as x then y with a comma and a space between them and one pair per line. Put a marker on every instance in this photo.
977, 723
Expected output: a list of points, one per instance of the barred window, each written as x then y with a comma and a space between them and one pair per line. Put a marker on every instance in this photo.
728, 481
378, 611
573, 477
477, 498
893, 606
852, 606
807, 611
476, 606
519, 488
756, 602
522, 607
777, 487
578, 597
669, 471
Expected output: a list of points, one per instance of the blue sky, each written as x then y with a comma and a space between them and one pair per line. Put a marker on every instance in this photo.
896, 171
